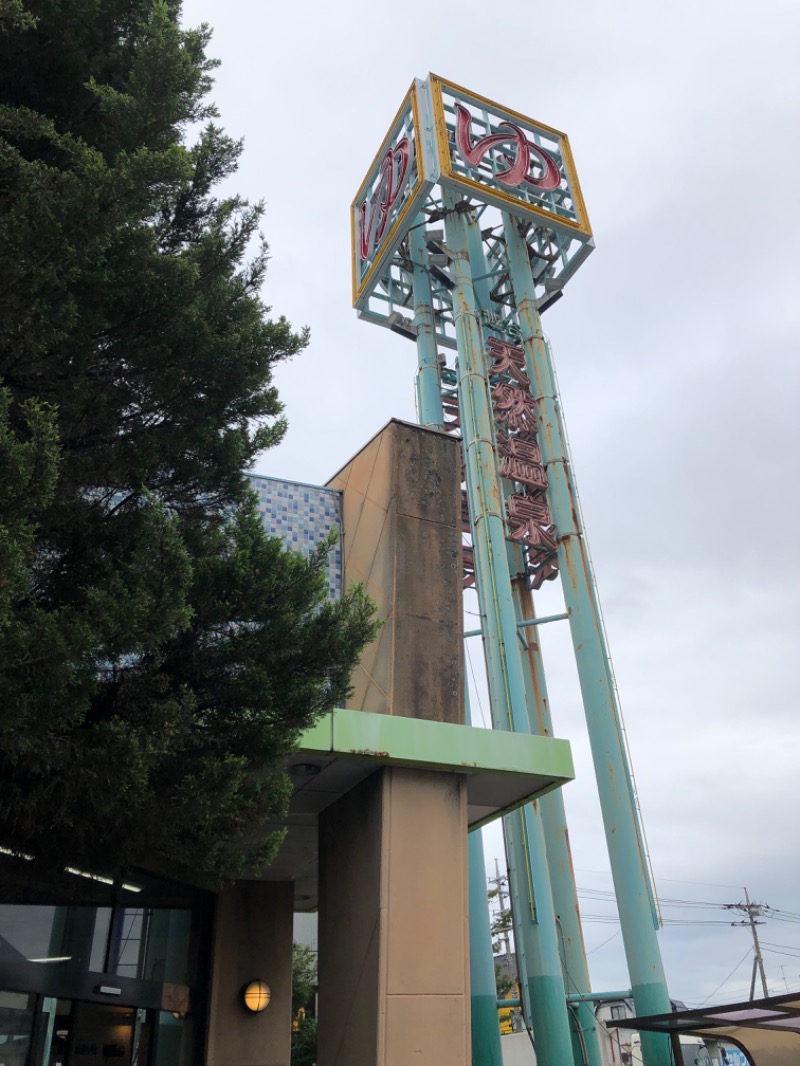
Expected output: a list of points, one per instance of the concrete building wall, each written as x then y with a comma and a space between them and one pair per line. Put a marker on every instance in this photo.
393, 924
393, 932
401, 517
252, 941
350, 926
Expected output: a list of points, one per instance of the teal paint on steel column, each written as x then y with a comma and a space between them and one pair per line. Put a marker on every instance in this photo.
484, 1020
485, 1029
483, 490
623, 833
586, 1039
535, 930
486, 1050
550, 809
548, 1008
429, 396
478, 265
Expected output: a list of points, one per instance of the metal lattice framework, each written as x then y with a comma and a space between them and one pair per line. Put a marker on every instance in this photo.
445, 137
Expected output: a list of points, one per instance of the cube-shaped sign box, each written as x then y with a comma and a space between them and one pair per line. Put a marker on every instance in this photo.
390, 195
445, 137
500, 157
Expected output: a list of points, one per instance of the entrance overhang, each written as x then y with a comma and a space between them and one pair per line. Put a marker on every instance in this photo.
503, 771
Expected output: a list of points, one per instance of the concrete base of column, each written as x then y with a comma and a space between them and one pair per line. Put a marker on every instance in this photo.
393, 927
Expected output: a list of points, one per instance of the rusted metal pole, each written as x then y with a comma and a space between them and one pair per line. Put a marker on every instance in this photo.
623, 833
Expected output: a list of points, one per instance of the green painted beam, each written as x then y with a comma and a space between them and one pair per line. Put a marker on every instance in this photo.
533, 764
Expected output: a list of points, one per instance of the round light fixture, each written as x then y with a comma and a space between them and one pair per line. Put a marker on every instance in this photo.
256, 996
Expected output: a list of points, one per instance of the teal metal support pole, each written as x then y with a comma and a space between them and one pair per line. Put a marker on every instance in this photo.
548, 1008
600, 997
429, 396
623, 833
525, 622
586, 1039
550, 809
486, 1050
484, 1021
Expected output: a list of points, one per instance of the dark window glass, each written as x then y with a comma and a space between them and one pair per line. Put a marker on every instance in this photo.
100, 1032
128, 941
16, 1028
174, 1042
150, 944
26, 932
102, 925
166, 955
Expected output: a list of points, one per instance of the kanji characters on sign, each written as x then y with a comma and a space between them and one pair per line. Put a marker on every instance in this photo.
529, 520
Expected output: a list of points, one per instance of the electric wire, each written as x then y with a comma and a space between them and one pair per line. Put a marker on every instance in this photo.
601, 895
603, 943
730, 975
777, 951
787, 947
476, 689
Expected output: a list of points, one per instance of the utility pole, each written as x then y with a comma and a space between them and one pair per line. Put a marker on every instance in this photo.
753, 911
500, 883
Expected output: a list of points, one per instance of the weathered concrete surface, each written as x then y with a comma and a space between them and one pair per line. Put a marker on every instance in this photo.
393, 933
402, 539
252, 941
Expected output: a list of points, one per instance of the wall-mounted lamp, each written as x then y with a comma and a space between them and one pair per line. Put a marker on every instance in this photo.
256, 996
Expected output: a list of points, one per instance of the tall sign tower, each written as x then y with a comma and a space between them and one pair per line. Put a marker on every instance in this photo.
468, 224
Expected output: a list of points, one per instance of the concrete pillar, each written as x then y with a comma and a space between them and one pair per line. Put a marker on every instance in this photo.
393, 923
402, 539
252, 941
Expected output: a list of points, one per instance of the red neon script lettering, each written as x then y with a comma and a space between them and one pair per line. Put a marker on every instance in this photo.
518, 168
394, 168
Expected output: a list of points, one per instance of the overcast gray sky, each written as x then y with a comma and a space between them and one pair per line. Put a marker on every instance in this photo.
677, 350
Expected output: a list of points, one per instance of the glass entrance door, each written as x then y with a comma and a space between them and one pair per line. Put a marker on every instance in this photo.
97, 1034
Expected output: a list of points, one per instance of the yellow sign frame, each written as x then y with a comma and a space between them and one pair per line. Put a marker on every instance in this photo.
499, 196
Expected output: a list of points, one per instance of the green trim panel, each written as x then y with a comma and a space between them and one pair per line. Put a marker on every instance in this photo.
535, 765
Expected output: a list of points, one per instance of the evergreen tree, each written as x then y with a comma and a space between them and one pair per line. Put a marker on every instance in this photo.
159, 654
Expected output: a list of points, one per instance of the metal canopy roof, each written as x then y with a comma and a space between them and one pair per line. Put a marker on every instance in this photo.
503, 771
767, 1030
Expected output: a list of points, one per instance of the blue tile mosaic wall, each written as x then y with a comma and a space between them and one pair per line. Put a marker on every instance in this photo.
302, 516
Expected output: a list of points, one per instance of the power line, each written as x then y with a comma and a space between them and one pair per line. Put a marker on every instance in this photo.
695, 921
788, 947
603, 944
607, 894
781, 916
665, 880
730, 975
777, 951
